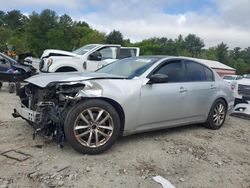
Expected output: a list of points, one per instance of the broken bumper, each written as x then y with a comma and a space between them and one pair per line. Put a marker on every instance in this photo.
242, 109
25, 113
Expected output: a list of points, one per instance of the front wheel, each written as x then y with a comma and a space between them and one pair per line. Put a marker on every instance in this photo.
217, 115
92, 126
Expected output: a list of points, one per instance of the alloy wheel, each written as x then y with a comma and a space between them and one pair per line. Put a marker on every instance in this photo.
93, 127
219, 114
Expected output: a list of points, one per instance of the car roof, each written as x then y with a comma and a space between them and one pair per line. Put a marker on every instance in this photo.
209, 63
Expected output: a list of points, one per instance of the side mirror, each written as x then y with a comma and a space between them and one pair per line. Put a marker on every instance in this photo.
158, 79
95, 56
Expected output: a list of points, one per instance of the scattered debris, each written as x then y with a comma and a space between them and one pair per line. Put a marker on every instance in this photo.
182, 179
16, 155
88, 169
62, 169
165, 183
219, 163
122, 171
60, 183
38, 146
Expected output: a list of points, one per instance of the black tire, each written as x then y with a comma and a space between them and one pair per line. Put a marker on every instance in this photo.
12, 87
18, 86
1, 85
210, 123
73, 117
66, 69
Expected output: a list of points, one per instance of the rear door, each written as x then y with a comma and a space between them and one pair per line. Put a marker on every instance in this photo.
202, 89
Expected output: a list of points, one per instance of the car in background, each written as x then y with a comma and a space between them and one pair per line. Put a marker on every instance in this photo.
85, 59
242, 89
242, 96
14, 71
231, 78
128, 96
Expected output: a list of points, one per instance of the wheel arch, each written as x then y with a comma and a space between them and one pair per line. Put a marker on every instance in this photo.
117, 107
66, 69
222, 98
219, 98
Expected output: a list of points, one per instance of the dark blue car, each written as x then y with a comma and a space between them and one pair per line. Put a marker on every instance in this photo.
15, 71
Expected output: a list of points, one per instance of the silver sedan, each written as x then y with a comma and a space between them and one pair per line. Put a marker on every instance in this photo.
128, 96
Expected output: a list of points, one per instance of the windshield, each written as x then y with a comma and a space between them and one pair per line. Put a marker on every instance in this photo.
84, 49
129, 67
229, 77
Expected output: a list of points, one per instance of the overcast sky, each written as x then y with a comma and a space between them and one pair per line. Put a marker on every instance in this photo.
214, 21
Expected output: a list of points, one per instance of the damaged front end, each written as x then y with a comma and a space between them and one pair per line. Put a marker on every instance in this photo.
46, 108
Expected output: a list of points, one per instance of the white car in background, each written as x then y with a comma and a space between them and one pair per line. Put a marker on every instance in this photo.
231, 78
85, 59
242, 96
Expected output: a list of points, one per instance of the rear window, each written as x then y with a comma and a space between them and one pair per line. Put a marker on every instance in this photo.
196, 72
124, 53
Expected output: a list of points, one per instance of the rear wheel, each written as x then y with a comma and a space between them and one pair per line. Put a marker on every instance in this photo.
217, 115
92, 126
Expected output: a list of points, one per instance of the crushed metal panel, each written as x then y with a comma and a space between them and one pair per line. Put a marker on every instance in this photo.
16, 155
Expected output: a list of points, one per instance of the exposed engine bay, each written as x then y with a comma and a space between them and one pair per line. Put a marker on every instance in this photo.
46, 108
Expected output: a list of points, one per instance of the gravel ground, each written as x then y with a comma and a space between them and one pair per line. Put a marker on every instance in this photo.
189, 156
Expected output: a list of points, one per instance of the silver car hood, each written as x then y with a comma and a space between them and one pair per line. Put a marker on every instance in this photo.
43, 79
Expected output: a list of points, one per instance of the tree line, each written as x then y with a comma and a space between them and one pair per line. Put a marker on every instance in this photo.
39, 31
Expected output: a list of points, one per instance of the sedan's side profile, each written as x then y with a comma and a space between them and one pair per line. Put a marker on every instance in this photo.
128, 96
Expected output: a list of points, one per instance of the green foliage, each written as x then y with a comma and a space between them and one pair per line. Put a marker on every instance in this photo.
14, 19
38, 32
5, 34
115, 37
193, 44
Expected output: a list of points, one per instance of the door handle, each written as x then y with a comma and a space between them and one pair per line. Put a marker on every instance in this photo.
182, 90
213, 87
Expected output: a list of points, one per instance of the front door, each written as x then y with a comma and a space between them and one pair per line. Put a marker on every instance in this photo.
164, 104
108, 54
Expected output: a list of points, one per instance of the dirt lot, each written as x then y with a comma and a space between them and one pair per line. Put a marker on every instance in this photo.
190, 156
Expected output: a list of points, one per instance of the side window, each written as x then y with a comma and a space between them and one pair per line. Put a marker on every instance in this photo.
173, 69
124, 53
194, 72
209, 74
109, 53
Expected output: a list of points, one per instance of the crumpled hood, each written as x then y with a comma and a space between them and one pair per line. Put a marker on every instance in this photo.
43, 79
59, 52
